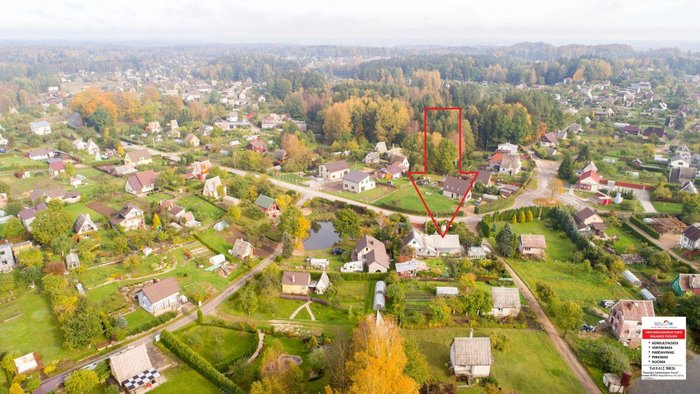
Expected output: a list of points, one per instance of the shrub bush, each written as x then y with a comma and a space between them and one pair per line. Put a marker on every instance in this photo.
198, 362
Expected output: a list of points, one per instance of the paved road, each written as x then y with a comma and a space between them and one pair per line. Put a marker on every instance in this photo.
559, 343
209, 307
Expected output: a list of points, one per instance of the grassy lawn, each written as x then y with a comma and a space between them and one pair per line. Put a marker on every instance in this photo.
218, 344
215, 240
182, 379
568, 280
367, 196
406, 199
202, 210
138, 317
672, 208
36, 330
295, 346
76, 209
520, 369
625, 242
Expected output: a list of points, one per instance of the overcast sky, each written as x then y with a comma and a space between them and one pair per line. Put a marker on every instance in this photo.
373, 22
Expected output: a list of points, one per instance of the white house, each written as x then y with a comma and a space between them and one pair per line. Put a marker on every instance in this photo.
471, 357
510, 164
690, 238
138, 157
372, 253
322, 284
133, 370
129, 218
505, 301
334, 171
83, 224
242, 249
211, 188
358, 182
72, 261
432, 245
141, 183
41, 127
679, 161
7, 258
160, 297
508, 147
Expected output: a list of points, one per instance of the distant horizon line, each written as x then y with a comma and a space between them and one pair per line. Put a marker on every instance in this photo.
635, 44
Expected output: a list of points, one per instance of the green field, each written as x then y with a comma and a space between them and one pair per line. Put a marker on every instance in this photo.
36, 330
218, 344
215, 240
367, 196
203, 211
531, 365
182, 379
673, 208
406, 199
569, 281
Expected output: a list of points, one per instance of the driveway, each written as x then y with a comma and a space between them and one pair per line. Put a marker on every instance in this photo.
644, 197
546, 173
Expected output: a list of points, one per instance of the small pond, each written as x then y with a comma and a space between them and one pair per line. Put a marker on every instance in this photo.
322, 236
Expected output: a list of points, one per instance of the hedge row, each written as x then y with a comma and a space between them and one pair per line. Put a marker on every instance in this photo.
645, 227
354, 276
223, 366
198, 362
165, 317
635, 233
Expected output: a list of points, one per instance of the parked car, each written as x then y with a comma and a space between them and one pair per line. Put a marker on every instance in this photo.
337, 251
607, 303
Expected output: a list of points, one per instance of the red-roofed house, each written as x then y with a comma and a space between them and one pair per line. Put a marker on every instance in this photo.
589, 180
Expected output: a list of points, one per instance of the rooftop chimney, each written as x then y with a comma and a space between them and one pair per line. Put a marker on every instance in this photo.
443, 228
471, 333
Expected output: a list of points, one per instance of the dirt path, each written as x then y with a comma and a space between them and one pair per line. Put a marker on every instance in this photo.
559, 343
664, 246
308, 309
261, 343
296, 312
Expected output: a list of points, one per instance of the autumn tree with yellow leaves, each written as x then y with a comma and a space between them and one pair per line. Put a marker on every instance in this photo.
378, 359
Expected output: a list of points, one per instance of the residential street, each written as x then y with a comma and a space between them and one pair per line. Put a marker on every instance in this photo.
560, 344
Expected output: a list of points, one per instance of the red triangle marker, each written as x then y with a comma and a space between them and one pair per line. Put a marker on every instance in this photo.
462, 174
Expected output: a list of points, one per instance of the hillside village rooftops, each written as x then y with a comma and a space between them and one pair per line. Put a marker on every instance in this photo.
457, 185
138, 155
296, 278
533, 241
505, 297
692, 232
472, 351
264, 201
337, 166
161, 290
355, 176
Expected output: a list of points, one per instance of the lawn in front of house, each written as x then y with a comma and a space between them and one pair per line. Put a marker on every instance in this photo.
367, 196
203, 211
215, 240
625, 242
568, 280
406, 199
182, 379
217, 344
531, 365
672, 208
35, 330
